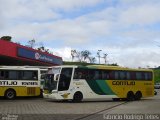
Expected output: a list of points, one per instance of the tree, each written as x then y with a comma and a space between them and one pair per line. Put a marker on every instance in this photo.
85, 55
114, 64
76, 54
82, 56
105, 58
31, 43
6, 38
73, 54
41, 48
92, 59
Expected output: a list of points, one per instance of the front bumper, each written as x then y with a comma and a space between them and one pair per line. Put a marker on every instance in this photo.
49, 96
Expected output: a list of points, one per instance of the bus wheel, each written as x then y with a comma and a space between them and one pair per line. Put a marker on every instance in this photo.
138, 95
10, 94
130, 96
77, 97
116, 99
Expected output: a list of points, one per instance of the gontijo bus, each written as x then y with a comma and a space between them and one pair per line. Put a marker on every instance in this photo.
19, 81
97, 82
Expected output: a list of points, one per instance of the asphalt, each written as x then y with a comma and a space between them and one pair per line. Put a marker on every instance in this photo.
43, 109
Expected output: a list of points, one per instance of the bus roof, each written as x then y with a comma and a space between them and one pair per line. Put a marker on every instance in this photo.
65, 66
116, 68
18, 68
25, 66
101, 67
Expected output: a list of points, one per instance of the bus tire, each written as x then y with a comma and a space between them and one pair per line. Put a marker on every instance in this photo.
41, 94
116, 99
78, 96
130, 96
138, 95
10, 94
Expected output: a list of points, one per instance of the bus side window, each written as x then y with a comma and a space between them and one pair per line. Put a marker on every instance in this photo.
150, 76
122, 75
143, 75
138, 76
85, 74
78, 74
96, 75
90, 74
2, 75
133, 75
116, 75
111, 75
128, 76
105, 75
35, 75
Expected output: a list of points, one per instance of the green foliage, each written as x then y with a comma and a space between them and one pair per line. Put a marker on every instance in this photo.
76, 63
31, 43
6, 38
84, 63
113, 64
156, 75
82, 56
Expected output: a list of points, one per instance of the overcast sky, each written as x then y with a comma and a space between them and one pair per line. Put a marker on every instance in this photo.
128, 30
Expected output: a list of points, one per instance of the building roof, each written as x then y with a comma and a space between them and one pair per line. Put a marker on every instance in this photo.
16, 54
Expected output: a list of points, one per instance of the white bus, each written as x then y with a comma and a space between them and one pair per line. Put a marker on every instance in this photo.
98, 82
19, 81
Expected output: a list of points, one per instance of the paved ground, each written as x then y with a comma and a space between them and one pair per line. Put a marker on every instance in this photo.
41, 109
145, 109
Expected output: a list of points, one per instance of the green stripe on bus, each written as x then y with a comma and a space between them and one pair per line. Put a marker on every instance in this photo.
105, 87
95, 87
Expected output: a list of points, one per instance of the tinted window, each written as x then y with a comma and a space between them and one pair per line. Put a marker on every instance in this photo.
13, 75
112, 75
138, 76
96, 74
28, 75
149, 76
105, 75
65, 79
18, 75
128, 76
122, 75
2, 76
116, 74
133, 75
80, 74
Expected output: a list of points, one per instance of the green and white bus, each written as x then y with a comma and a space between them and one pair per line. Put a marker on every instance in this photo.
97, 82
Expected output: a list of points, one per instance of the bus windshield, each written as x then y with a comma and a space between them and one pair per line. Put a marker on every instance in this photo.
58, 81
49, 82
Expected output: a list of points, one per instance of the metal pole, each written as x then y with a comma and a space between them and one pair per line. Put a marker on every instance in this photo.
98, 53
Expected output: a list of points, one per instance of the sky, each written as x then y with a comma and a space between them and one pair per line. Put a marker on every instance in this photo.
127, 30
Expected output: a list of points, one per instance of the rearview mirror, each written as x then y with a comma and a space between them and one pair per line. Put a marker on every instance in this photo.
56, 77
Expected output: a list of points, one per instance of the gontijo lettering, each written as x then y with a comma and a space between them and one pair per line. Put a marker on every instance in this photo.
8, 82
123, 83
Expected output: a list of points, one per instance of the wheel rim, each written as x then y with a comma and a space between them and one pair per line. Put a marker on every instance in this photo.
77, 97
